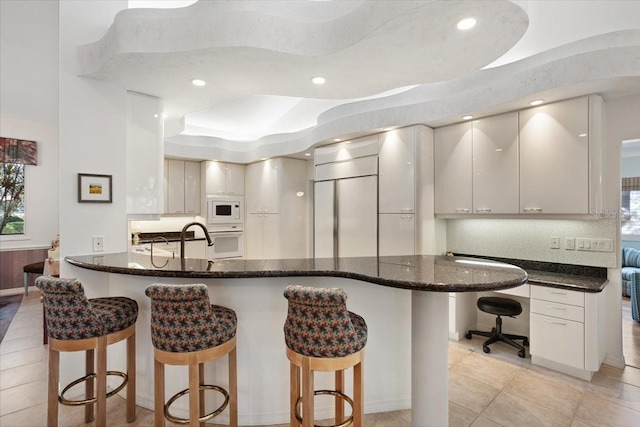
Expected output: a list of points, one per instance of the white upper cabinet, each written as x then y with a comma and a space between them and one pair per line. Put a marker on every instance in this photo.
145, 157
263, 181
453, 169
192, 187
495, 164
174, 186
397, 157
182, 184
554, 158
223, 178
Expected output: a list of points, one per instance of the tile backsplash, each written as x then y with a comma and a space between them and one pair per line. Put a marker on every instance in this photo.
531, 239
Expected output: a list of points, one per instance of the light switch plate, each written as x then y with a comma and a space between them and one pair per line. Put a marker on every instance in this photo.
570, 243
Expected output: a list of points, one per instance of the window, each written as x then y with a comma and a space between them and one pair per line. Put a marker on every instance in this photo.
11, 198
630, 210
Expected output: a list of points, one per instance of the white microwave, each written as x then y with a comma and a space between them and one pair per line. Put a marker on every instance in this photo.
225, 209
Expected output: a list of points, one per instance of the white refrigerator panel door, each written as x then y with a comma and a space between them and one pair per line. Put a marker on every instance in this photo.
358, 216
323, 219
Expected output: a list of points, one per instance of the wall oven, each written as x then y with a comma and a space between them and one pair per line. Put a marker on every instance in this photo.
228, 242
225, 209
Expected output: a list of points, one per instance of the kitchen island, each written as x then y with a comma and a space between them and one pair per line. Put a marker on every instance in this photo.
377, 290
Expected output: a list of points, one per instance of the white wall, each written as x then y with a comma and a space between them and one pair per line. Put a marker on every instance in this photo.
29, 110
92, 136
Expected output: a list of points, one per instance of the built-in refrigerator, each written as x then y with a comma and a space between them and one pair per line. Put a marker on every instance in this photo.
346, 217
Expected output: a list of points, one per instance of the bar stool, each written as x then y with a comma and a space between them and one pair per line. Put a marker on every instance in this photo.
78, 324
35, 268
186, 329
322, 335
500, 307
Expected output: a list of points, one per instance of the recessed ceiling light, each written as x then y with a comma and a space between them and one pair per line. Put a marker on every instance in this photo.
466, 24
387, 129
318, 80
467, 117
336, 140
198, 82
537, 102
582, 135
307, 154
156, 116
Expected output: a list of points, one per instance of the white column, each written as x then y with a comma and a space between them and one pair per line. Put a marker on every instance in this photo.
429, 354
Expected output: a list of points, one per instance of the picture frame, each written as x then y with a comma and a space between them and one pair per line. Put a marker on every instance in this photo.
94, 188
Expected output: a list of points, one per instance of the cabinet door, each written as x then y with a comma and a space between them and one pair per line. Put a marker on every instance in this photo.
262, 190
214, 178
453, 169
270, 186
271, 242
357, 216
192, 187
175, 186
397, 171
397, 234
253, 236
234, 177
554, 158
557, 339
495, 165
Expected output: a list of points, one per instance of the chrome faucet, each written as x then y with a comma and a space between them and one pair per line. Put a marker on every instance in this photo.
184, 233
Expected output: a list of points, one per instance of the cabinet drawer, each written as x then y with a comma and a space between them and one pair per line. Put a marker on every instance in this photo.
521, 291
557, 295
558, 340
563, 311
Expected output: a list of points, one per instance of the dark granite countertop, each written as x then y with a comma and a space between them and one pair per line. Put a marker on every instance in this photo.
556, 275
421, 273
171, 236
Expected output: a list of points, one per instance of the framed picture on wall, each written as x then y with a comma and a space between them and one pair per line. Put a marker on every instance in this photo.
94, 188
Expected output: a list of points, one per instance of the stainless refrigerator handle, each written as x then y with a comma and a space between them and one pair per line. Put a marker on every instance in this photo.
335, 218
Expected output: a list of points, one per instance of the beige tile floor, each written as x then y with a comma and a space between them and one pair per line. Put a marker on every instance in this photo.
498, 389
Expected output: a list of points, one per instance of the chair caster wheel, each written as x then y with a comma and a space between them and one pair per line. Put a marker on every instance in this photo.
521, 353
486, 349
468, 336
525, 342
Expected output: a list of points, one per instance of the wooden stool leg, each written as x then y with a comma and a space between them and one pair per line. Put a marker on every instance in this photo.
201, 392
158, 373
339, 403
307, 394
233, 389
294, 379
358, 395
194, 401
89, 368
52, 400
131, 375
101, 382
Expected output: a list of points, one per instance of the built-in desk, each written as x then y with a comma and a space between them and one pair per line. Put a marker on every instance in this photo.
560, 316
406, 350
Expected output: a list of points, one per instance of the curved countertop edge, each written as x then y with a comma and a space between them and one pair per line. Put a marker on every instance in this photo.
256, 274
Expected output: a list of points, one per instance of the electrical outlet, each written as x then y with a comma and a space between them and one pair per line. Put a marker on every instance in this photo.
555, 243
98, 243
570, 243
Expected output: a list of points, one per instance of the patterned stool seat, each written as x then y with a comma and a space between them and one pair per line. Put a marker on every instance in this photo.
186, 327
321, 334
77, 323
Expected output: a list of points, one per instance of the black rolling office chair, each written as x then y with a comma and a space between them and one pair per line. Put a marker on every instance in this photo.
500, 307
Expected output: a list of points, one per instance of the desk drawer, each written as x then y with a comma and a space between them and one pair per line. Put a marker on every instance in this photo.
562, 311
557, 295
521, 291
558, 340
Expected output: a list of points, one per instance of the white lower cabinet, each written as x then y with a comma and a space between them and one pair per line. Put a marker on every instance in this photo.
557, 339
564, 332
263, 236
396, 233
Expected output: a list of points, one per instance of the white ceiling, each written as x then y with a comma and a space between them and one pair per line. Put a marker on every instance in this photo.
384, 62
